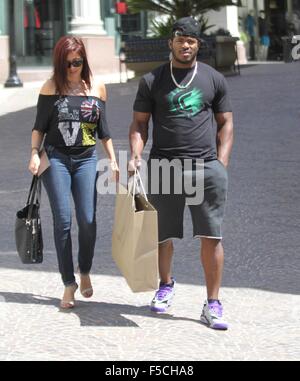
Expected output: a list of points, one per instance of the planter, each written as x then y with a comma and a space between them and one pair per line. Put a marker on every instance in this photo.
226, 54
144, 55
287, 47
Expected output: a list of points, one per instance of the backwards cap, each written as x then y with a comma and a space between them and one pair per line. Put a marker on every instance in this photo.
186, 26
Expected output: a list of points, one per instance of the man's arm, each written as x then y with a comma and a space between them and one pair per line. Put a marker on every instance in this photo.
224, 136
138, 136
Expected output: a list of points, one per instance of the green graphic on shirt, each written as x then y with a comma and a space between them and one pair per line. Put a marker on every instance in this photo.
185, 104
88, 138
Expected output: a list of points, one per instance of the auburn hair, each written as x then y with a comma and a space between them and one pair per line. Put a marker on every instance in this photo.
63, 47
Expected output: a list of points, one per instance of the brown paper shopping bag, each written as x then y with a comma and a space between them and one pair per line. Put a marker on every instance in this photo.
135, 240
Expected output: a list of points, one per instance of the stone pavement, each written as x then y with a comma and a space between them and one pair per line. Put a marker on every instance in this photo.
261, 284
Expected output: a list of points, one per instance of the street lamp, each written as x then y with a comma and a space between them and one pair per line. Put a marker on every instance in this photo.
13, 80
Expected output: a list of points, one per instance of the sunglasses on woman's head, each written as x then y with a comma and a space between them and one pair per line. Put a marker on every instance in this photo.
76, 63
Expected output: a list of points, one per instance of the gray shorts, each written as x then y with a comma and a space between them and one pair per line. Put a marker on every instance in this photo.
207, 216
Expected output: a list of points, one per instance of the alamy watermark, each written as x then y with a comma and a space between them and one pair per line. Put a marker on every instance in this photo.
296, 49
167, 177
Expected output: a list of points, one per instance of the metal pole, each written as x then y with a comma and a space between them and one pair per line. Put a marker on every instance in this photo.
13, 80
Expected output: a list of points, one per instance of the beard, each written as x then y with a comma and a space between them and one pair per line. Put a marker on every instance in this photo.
184, 61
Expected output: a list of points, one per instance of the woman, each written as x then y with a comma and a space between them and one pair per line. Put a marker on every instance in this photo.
70, 111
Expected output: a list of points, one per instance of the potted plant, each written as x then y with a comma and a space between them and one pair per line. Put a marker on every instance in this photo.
175, 9
225, 50
221, 51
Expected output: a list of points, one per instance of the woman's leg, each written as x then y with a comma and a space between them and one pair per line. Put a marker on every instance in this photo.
57, 182
84, 192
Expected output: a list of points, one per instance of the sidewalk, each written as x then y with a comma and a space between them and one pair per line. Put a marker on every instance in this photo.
260, 291
18, 98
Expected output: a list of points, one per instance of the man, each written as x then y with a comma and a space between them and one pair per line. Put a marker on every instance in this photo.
182, 97
264, 36
250, 28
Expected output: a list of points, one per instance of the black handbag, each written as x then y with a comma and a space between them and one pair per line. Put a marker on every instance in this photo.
28, 229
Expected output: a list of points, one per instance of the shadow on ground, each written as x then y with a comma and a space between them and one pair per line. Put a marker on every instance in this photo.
97, 314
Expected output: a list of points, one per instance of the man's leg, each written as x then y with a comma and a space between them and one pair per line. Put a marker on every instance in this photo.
165, 256
164, 295
207, 222
170, 209
212, 257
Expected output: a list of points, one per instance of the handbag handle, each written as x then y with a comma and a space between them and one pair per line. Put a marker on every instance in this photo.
33, 184
35, 187
34, 195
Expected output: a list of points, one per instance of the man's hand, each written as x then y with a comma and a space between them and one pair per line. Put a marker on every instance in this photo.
133, 165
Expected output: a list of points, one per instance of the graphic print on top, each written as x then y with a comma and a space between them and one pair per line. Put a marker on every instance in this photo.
72, 120
185, 103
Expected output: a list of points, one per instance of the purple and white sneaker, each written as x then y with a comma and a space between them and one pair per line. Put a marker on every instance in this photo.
163, 297
212, 315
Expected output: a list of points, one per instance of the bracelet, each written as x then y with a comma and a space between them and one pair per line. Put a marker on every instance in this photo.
35, 148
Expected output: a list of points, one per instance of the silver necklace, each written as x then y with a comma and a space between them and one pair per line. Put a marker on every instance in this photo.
189, 82
75, 89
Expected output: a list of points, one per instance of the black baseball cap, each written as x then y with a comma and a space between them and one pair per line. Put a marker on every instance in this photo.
186, 26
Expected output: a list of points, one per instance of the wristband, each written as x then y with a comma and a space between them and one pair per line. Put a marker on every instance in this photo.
35, 148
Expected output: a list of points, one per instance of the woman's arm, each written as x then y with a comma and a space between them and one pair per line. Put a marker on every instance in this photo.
36, 141
110, 153
37, 137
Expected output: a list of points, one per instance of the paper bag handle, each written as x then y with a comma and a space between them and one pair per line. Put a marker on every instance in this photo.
137, 180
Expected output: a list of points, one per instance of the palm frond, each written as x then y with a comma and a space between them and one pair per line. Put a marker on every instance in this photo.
178, 8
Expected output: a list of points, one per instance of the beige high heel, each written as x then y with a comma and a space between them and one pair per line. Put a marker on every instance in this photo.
88, 291
66, 302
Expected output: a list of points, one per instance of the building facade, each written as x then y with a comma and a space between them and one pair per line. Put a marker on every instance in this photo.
282, 18
38, 24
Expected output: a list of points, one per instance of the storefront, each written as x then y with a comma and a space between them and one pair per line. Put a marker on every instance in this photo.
284, 20
39, 24
281, 17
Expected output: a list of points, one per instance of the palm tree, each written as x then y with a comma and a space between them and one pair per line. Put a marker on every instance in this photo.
176, 9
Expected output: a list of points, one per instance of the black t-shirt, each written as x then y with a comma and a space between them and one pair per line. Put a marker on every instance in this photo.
71, 121
183, 118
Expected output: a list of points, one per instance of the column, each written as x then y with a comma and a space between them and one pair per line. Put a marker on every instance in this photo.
232, 19
290, 10
4, 41
86, 18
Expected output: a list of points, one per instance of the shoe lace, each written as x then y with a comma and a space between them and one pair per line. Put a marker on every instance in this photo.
163, 291
216, 309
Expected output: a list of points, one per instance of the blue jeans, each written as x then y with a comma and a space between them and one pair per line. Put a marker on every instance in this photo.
76, 175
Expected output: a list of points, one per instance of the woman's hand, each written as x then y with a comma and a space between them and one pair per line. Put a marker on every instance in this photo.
115, 171
34, 162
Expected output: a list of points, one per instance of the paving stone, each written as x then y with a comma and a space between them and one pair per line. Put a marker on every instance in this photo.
260, 291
